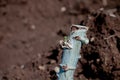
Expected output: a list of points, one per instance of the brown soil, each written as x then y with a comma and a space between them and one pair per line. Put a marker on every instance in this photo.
30, 30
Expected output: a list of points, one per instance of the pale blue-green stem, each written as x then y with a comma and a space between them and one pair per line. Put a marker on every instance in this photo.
70, 57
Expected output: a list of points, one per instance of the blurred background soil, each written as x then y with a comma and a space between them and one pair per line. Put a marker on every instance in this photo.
30, 31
